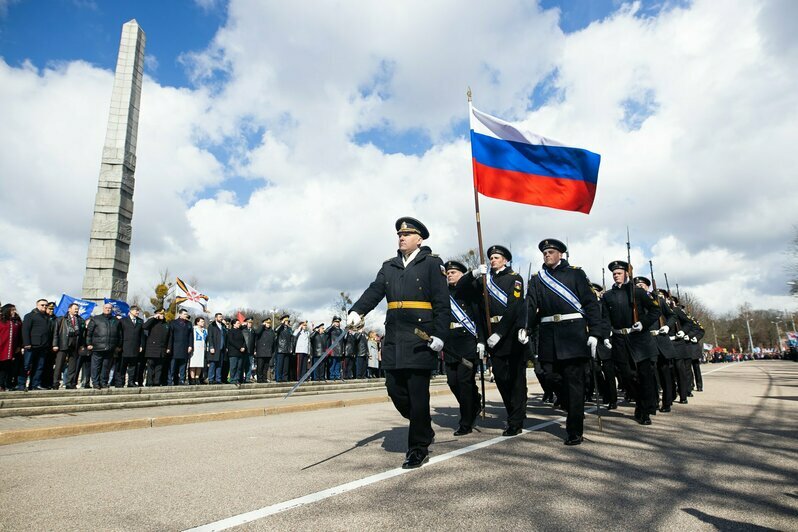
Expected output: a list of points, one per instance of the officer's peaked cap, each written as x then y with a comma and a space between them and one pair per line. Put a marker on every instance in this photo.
618, 265
501, 250
454, 265
407, 224
552, 243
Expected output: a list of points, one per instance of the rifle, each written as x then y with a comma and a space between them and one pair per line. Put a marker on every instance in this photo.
630, 273
654, 285
668, 287
603, 283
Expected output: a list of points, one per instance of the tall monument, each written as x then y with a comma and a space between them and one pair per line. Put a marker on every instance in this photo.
109, 242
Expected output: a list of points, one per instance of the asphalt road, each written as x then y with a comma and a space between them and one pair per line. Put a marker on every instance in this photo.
726, 461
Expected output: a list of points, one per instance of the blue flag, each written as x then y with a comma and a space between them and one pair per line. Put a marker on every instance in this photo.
120, 308
85, 310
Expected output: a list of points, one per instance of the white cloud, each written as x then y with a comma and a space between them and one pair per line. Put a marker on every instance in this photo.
705, 182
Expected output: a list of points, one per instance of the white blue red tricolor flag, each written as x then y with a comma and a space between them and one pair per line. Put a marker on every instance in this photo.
516, 165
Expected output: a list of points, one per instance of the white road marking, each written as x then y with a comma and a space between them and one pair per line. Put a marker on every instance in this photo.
266, 511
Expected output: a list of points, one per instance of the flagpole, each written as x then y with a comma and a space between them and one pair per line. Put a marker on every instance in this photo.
481, 255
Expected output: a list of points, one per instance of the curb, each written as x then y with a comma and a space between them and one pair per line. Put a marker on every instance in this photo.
10, 437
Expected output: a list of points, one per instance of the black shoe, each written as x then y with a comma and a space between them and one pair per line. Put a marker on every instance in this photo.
546, 397
511, 431
682, 401
573, 440
699, 389
665, 409
643, 420
612, 406
415, 458
462, 431
690, 394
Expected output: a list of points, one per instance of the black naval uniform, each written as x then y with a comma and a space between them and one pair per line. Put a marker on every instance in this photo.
508, 357
563, 334
695, 354
606, 375
461, 350
666, 352
418, 298
682, 353
637, 347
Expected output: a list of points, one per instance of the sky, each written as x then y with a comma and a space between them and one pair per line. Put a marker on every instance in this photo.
278, 142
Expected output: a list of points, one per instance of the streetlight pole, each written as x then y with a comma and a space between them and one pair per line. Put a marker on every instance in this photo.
778, 335
715, 332
750, 341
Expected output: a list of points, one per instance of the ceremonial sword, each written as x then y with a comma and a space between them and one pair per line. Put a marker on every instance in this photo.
426, 337
314, 366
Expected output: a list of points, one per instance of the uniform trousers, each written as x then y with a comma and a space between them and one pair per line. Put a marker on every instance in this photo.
510, 375
683, 374
645, 388
697, 380
262, 368
567, 378
409, 391
665, 380
464, 387
606, 378
154, 369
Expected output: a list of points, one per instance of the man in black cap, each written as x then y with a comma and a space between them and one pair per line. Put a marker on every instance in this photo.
414, 284
632, 313
562, 302
284, 345
681, 343
336, 349
605, 370
466, 343
508, 356
666, 353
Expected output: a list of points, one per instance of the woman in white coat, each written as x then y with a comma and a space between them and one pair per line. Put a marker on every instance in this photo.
197, 363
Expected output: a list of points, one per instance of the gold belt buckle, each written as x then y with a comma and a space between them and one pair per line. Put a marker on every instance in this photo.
557, 317
400, 304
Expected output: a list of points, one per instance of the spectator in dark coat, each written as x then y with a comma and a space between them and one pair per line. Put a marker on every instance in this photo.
37, 342
69, 339
236, 349
103, 339
182, 346
157, 347
132, 349
284, 348
318, 346
10, 345
264, 349
249, 342
217, 346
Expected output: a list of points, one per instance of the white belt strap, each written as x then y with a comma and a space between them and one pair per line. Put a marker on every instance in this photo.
561, 317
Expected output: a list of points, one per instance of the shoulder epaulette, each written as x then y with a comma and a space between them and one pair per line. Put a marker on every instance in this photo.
576, 267
434, 255
534, 274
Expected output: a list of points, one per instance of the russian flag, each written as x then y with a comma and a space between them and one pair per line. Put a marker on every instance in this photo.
515, 165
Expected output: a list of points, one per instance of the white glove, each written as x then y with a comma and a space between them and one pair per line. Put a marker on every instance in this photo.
592, 343
523, 337
672, 338
654, 333
680, 334
607, 343
493, 340
637, 326
694, 340
481, 350
435, 343
664, 329
353, 319
479, 271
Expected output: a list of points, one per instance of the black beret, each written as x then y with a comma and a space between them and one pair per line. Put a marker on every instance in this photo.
501, 250
454, 265
407, 224
618, 265
552, 243
644, 280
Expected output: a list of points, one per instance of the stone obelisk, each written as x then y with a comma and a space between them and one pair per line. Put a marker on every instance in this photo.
109, 242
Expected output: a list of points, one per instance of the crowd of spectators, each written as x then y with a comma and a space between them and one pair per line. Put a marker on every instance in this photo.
42, 351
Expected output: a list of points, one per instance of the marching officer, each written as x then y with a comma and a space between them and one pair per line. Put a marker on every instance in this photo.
466, 343
632, 341
417, 324
666, 353
564, 305
508, 356
604, 362
681, 341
